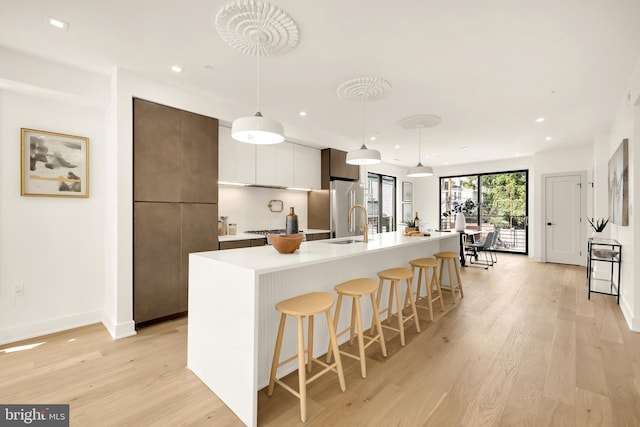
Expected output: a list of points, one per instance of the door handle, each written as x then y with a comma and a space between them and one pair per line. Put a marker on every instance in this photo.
549, 223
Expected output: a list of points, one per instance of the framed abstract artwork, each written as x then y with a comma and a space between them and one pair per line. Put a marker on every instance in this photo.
619, 185
53, 164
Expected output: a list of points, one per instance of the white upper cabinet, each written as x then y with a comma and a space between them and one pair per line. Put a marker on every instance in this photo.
236, 160
306, 167
284, 165
274, 164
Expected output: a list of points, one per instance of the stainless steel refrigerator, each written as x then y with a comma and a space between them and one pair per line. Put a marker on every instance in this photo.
342, 196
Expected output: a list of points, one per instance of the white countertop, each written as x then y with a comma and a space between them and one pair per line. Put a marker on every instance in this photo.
265, 259
249, 236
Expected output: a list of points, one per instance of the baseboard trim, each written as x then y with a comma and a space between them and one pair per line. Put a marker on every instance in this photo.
632, 322
119, 330
50, 326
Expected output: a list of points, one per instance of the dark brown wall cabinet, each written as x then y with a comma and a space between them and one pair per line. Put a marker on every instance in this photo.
335, 166
175, 194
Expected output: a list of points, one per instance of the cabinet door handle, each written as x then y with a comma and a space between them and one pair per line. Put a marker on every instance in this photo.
549, 223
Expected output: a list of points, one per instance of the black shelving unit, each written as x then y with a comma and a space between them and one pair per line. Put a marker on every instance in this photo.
604, 251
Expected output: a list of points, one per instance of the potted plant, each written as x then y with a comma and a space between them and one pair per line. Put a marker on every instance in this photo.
410, 226
598, 224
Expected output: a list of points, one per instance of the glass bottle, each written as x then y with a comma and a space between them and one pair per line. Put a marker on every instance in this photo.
416, 222
292, 222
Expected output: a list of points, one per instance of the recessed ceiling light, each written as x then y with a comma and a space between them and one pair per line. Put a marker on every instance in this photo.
548, 138
58, 23
176, 68
373, 138
540, 119
302, 113
396, 146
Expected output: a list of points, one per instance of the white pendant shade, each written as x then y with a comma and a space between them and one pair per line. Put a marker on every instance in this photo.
363, 156
420, 171
257, 130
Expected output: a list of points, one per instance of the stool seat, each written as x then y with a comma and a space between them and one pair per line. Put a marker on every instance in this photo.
449, 258
447, 254
424, 262
306, 305
355, 289
399, 273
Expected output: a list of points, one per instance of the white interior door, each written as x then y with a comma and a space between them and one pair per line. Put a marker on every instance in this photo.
563, 210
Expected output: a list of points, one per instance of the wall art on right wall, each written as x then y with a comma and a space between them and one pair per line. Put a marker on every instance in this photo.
619, 185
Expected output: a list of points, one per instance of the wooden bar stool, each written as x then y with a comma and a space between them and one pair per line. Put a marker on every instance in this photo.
305, 306
451, 258
424, 265
357, 288
394, 275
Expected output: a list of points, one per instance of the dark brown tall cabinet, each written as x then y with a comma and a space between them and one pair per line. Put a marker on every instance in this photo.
175, 209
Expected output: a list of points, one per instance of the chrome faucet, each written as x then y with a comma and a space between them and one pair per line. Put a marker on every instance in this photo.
364, 228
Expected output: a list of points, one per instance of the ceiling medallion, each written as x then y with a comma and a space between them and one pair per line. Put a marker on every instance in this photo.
257, 28
366, 87
420, 121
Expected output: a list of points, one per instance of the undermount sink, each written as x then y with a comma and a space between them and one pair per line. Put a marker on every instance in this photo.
344, 242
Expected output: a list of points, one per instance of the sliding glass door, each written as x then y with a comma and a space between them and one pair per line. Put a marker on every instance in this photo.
381, 203
490, 202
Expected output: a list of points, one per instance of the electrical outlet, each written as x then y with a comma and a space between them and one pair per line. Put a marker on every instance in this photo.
18, 289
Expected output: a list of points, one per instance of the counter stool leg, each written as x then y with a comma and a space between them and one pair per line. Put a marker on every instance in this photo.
276, 356
336, 316
429, 287
434, 279
413, 306
451, 283
352, 328
455, 264
394, 286
418, 289
302, 377
310, 344
363, 362
376, 319
334, 344
376, 308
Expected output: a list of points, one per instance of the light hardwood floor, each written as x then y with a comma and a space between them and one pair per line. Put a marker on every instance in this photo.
524, 348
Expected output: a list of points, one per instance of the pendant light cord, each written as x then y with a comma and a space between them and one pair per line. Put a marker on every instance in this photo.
258, 76
419, 144
363, 99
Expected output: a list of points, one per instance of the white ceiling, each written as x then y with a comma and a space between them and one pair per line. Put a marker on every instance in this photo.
489, 68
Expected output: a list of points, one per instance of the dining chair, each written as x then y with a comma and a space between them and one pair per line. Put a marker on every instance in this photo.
483, 246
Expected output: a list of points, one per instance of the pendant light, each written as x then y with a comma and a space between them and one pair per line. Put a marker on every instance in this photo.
363, 89
255, 27
364, 155
419, 122
257, 129
419, 171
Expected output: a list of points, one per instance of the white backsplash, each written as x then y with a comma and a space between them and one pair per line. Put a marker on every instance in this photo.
249, 207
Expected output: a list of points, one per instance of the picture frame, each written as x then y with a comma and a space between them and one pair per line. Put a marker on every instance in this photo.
407, 211
407, 191
619, 185
53, 164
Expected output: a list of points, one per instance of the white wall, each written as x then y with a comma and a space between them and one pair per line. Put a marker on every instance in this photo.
248, 207
627, 125
54, 246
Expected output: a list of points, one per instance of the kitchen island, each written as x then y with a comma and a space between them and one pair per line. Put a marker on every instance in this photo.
232, 296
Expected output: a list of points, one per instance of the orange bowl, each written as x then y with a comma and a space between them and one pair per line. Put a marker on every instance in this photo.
286, 243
